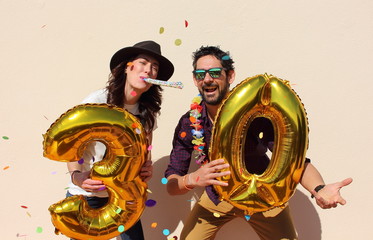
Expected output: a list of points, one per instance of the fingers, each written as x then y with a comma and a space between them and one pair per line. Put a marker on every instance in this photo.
91, 185
346, 182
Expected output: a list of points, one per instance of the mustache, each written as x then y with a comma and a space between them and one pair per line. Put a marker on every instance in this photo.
209, 85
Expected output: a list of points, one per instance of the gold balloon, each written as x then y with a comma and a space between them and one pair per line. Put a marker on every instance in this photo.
126, 152
257, 97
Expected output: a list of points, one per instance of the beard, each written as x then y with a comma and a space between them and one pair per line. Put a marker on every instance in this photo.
217, 98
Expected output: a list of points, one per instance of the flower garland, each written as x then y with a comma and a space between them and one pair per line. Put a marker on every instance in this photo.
197, 131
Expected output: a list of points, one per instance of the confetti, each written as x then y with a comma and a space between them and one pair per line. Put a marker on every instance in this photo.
118, 210
138, 131
24, 206
5, 168
133, 93
28, 214
135, 125
178, 42
247, 217
103, 188
149, 191
39, 229
81, 161
43, 26
186, 23
154, 225
45, 117
164, 181
260, 135
54, 172
226, 57
121, 228
166, 232
5, 138
183, 134
161, 30
196, 179
150, 203
150, 147
217, 215
21, 235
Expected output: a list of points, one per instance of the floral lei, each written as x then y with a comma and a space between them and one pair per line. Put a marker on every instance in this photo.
197, 131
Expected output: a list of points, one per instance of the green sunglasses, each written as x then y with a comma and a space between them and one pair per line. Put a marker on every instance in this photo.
200, 74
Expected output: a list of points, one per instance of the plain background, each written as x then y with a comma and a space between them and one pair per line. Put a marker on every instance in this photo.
54, 53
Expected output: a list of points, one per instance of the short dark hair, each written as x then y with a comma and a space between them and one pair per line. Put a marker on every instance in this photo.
224, 57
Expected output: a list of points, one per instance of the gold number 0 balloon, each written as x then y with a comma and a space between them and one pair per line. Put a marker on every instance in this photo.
126, 151
269, 97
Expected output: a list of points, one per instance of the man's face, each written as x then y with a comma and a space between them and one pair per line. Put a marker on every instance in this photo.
212, 90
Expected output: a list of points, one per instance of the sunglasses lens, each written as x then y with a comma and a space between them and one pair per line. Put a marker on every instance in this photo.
215, 72
200, 74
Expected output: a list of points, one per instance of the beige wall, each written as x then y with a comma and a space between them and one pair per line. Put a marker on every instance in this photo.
53, 53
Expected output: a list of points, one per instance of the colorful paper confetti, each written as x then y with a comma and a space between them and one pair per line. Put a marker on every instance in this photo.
81, 161
6, 167
121, 228
183, 134
133, 93
186, 23
166, 232
39, 229
154, 225
5, 138
247, 217
150, 203
24, 206
178, 42
217, 215
161, 30
150, 147
164, 180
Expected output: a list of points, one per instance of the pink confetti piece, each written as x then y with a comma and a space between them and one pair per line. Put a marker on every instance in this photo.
103, 188
186, 23
133, 93
150, 147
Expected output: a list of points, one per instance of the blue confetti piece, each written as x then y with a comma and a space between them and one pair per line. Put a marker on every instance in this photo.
226, 57
164, 181
166, 232
81, 161
247, 217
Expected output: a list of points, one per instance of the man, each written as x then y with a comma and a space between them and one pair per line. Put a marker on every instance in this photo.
213, 73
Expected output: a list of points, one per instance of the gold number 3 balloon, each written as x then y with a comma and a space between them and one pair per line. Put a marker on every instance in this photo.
126, 151
256, 97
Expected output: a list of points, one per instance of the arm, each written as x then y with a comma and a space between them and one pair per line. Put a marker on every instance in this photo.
146, 171
329, 196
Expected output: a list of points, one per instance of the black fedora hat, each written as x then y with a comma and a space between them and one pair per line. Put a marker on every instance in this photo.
166, 68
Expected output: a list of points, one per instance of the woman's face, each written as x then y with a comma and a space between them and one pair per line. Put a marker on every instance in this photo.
144, 66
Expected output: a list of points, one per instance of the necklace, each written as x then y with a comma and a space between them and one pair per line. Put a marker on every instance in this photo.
197, 131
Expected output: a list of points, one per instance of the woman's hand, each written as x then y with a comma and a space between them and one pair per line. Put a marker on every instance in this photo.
82, 180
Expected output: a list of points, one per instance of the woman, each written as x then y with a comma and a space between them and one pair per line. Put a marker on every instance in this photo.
125, 89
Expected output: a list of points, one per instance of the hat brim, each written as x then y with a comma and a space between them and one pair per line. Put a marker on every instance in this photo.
166, 68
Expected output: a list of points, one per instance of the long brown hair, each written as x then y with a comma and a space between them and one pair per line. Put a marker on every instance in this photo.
149, 102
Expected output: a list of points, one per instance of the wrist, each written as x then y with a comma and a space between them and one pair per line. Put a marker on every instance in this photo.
317, 189
187, 182
73, 175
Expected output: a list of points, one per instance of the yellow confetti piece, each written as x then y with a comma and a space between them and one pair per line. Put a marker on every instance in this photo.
217, 215
28, 214
178, 42
149, 191
261, 135
161, 30
154, 225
